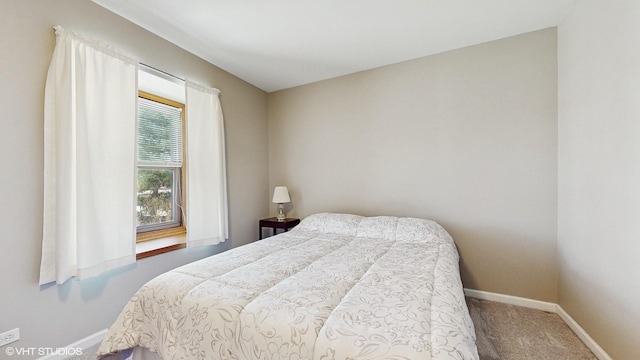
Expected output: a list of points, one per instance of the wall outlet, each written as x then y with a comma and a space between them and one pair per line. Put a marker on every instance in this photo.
9, 336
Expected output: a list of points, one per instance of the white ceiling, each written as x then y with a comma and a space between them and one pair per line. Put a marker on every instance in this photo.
278, 44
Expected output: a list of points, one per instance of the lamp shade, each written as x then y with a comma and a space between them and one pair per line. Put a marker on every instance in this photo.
281, 195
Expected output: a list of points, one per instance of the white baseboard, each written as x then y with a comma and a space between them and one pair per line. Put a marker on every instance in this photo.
544, 306
511, 300
80, 344
586, 339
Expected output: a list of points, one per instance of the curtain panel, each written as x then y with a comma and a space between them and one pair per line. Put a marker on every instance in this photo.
206, 203
89, 160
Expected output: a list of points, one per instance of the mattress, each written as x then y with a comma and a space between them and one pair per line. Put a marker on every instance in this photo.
337, 286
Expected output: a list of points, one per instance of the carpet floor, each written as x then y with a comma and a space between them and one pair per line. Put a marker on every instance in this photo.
512, 332
507, 332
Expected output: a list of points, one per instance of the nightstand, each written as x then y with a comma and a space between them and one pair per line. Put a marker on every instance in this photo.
273, 223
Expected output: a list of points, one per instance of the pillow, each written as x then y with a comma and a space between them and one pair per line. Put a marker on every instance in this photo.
378, 227
330, 223
405, 229
421, 231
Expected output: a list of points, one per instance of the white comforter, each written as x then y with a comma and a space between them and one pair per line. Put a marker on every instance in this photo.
336, 286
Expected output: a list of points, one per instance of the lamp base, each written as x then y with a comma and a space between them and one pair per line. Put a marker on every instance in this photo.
281, 215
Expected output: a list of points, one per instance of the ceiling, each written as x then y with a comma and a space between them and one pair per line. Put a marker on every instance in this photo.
278, 44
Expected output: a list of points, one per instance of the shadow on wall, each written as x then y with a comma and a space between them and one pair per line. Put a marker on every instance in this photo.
506, 262
469, 281
90, 288
93, 287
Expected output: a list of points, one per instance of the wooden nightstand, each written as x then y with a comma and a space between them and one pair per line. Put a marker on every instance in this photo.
273, 223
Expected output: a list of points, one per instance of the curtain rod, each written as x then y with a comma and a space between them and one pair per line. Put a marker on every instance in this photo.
163, 74
174, 79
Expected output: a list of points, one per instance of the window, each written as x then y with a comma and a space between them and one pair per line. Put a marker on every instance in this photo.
163, 202
160, 163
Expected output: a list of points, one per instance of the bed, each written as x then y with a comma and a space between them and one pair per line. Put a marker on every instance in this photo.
337, 286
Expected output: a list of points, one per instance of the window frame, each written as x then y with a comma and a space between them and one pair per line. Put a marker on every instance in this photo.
175, 226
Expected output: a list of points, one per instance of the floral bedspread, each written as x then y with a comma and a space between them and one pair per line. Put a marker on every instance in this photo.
337, 286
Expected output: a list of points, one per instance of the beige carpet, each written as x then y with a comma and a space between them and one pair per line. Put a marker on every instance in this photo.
512, 332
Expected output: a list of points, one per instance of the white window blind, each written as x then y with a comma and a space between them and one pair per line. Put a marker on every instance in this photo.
159, 134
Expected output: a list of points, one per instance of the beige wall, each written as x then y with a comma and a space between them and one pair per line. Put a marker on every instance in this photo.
599, 172
59, 315
467, 138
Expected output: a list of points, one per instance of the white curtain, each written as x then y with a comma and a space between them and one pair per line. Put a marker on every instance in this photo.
206, 203
89, 160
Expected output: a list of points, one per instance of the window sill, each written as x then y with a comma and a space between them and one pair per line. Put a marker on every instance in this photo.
160, 245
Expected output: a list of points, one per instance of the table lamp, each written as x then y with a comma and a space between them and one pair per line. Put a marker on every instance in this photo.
280, 197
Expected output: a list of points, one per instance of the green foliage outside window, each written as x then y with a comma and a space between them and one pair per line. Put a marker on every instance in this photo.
155, 198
